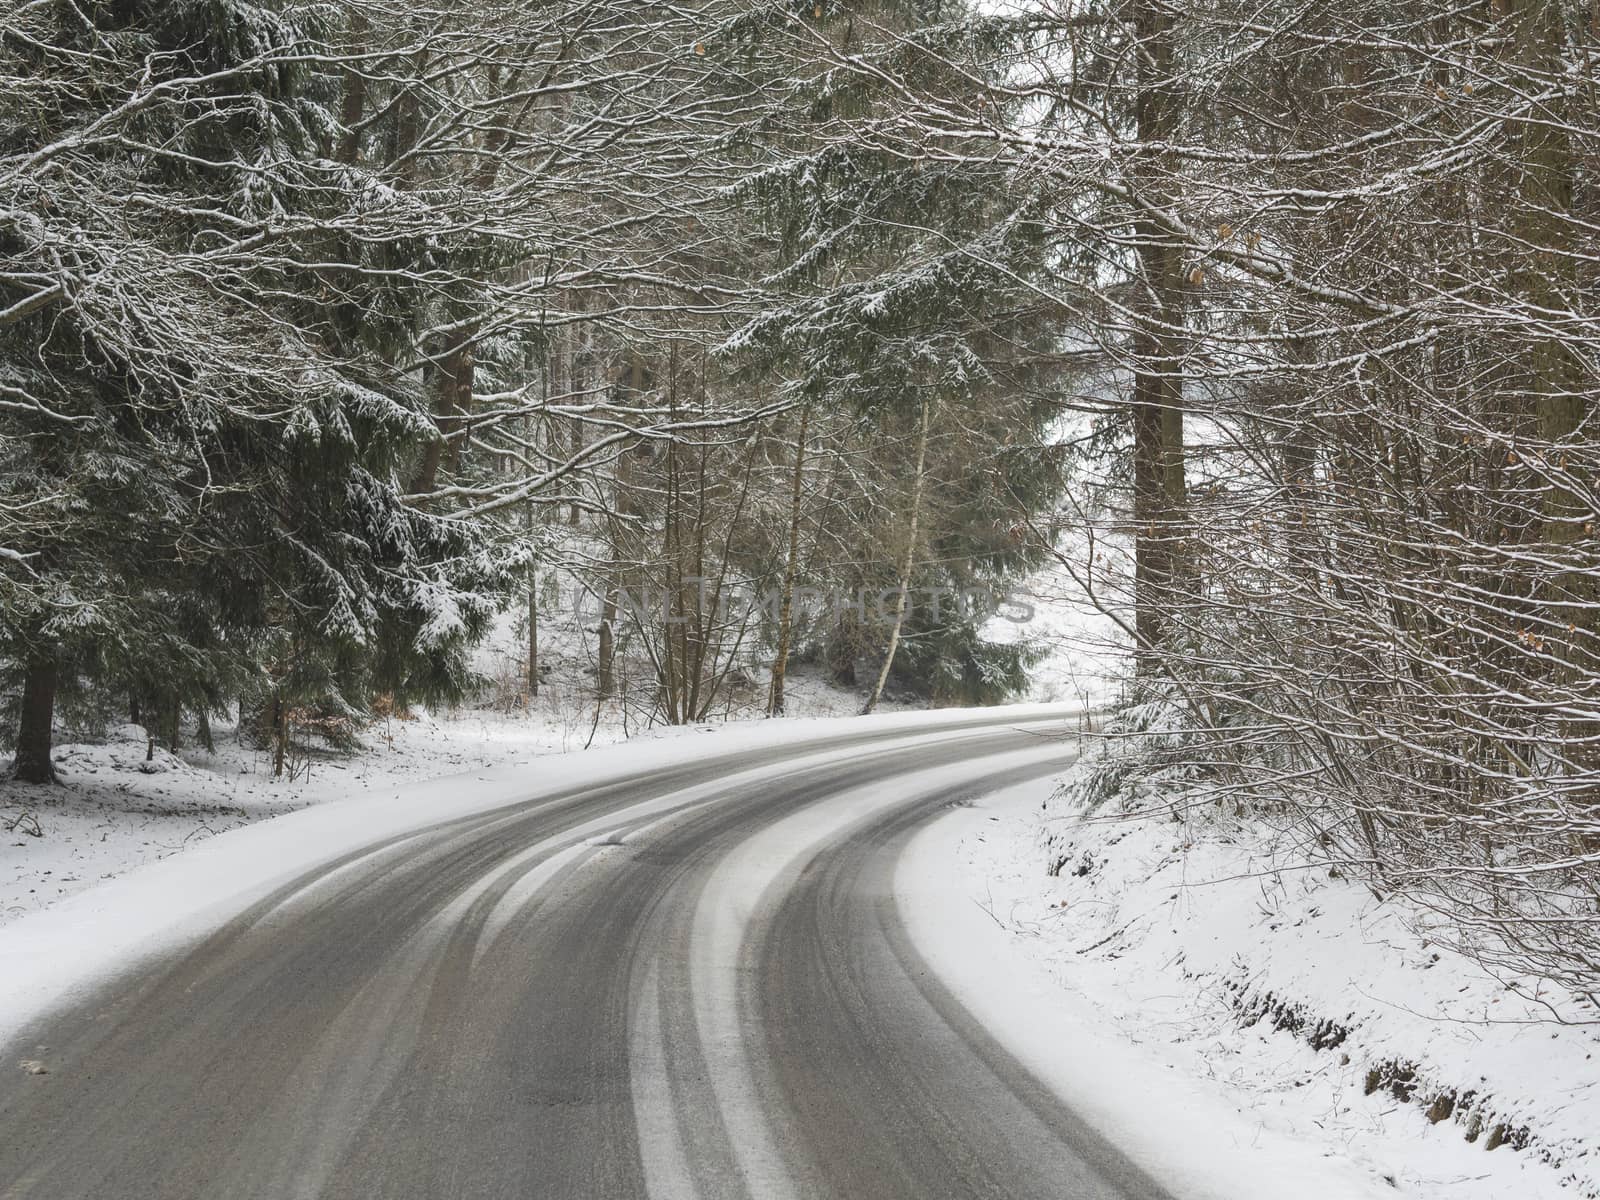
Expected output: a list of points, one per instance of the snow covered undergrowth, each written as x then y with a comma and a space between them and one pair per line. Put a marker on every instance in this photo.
1296, 1007
1085, 654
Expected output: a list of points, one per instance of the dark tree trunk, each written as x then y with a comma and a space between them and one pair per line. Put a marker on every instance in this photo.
280, 734
33, 763
1159, 468
1149, 490
353, 105
451, 378
622, 502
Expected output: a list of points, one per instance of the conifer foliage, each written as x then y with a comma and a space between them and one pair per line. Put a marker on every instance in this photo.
202, 492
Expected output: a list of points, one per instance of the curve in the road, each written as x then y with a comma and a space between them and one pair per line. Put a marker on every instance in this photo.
688, 984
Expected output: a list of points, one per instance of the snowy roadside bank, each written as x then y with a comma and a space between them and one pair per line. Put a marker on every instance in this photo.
1178, 985
114, 810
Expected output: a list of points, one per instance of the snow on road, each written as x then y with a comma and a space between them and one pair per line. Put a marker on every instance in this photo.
762, 867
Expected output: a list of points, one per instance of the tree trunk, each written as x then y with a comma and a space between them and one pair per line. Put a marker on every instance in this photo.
606, 649
1159, 468
280, 734
452, 380
579, 378
533, 634
906, 562
1150, 568
531, 432
780, 659
33, 764
462, 373
1545, 233
353, 103
622, 504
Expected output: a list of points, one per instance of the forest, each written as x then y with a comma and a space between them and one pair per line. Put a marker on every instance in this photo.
329, 331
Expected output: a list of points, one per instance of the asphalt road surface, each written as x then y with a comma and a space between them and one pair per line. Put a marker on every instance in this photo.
693, 983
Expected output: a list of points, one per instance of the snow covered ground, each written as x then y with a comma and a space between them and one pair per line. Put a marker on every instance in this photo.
114, 810
1201, 978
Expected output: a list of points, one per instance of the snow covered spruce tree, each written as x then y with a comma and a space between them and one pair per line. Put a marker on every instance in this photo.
906, 302
201, 429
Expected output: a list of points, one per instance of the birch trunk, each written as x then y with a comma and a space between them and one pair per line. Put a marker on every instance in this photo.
906, 562
780, 659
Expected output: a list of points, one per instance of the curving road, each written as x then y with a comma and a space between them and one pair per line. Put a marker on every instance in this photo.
691, 983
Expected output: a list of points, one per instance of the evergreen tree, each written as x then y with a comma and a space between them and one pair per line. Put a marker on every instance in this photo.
216, 454
907, 297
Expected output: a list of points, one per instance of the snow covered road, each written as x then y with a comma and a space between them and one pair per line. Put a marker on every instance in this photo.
685, 981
